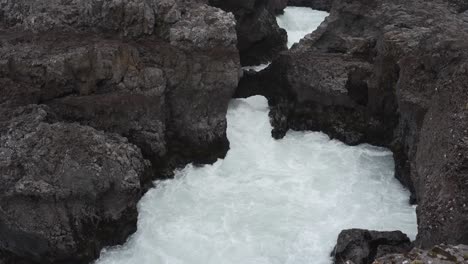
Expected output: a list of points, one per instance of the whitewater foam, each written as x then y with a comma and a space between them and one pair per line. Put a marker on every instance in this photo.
257, 68
269, 201
300, 21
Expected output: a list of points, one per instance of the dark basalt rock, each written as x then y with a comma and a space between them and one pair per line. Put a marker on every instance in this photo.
364, 246
442, 254
460, 5
66, 190
390, 73
323, 5
156, 90
260, 38
96, 75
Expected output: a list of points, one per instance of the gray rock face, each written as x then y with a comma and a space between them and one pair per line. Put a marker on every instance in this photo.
260, 38
391, 73
324, 5
66, 190
460, 5
151, 88
363, 247
93, 75
441, 254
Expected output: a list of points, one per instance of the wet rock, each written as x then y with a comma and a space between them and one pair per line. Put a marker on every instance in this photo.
66, 190
441, 254
363, 246
460, 5
386, 73
154, 90
159, 74
260, 38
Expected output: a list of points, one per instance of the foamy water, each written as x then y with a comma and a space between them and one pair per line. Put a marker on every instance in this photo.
257, 68
300, 21
269, 201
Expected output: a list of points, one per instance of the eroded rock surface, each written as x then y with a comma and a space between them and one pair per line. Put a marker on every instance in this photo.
66, 190
133, 89
363, 247
390, 73
260, 38
142, 85
441, 254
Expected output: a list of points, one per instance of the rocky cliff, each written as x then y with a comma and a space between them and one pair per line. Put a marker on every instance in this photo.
441, 254
356, 246
97, 99
66, 190
391, 73
260, 38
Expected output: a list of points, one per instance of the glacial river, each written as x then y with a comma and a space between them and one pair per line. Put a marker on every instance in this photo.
269, 201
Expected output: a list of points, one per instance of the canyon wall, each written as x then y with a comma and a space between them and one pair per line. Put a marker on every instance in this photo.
97, 99
394, 74
260, 38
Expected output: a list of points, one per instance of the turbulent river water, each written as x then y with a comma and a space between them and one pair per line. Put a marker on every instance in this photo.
300, 21
269, 201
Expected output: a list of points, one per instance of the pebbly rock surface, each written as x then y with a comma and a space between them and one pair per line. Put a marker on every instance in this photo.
260, 38
363, 246
108, 85
66, 190
392, 73
441, 254
323, 5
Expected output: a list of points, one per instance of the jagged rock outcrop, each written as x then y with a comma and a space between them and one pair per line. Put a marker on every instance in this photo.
143, 84
159, 74
363, 247
460, 5
66, 190
260, 38
441, 254
324, 5
390, 73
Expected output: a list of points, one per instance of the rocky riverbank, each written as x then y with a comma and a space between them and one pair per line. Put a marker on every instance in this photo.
355, 246
389, 73
98, 98
441, 254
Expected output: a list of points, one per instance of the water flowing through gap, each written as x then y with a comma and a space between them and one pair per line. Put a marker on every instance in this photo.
269, 201
298, 22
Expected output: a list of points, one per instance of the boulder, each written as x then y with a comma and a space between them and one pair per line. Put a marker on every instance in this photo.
360, 246
66, 190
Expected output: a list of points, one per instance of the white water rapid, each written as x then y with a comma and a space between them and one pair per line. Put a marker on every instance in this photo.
300, 21
269, 201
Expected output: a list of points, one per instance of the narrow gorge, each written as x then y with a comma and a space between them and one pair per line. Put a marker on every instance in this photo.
269, 201
224, 131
